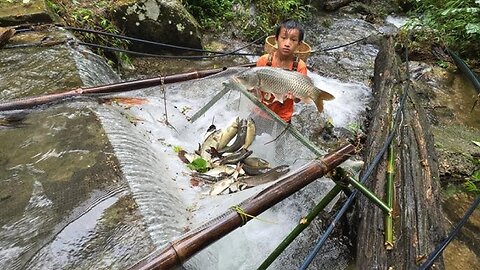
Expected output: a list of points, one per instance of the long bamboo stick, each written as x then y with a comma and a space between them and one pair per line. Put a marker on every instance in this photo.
302, 225
370, 195
30, 102
390, 193
182, 249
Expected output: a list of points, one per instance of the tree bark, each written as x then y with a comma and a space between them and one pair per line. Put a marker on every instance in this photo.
416, 209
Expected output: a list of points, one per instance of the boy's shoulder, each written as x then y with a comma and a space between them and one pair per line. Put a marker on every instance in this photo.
263, 60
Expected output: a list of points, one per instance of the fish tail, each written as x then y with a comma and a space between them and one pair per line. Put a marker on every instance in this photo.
325, 95
320, 97
319, 103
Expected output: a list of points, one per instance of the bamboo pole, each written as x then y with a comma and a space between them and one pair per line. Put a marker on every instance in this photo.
348, 179
182, 249
390, 191
30, 102
302, 225
370, 195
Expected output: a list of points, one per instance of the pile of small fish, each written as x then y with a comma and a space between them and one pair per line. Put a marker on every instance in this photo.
230, 167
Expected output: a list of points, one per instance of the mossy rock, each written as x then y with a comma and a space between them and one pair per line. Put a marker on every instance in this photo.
159, 21
31, 12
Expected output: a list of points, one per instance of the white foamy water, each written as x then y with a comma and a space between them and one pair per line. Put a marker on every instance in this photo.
397, 21
350, 100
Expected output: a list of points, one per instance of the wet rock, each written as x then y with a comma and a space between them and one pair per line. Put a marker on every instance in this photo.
5, 35
159, 21
455, 207
331, 5
448, 98
23, 12
348, 63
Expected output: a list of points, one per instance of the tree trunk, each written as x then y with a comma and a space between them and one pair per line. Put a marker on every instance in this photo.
416, 208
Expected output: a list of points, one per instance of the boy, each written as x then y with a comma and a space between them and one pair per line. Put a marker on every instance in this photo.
289, 35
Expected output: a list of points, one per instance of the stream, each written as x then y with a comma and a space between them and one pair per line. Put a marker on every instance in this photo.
95, 183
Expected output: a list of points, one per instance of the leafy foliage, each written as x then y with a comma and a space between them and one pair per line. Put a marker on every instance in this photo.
270, 12
210, 13
455, 22
254, 18
472, 184
91, 15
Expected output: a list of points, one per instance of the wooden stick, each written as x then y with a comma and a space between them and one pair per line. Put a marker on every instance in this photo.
182, 249
30, 102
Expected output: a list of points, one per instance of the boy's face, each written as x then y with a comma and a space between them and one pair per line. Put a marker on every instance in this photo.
288, 40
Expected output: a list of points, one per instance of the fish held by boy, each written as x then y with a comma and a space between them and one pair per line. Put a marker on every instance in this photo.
283, 84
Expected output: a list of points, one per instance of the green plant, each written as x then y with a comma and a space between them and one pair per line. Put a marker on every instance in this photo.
96, 16
442, 63
268, 13
472, 183
456, 22
211, 14
253, 18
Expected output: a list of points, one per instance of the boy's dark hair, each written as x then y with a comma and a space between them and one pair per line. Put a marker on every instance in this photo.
290, 24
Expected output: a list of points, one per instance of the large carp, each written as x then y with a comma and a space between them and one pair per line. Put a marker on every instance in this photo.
283, 84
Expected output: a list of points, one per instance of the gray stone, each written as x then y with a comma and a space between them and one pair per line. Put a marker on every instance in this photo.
164, 21
24, 12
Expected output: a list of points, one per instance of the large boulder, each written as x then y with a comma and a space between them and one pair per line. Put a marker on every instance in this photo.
17, 12
164, 21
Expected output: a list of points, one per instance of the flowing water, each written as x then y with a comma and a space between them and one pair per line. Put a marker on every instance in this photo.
89, 185
65, 203
98, 185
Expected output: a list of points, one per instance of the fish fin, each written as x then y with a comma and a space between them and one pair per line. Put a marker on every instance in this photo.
325, 95
319, 104
279, 98
306, 100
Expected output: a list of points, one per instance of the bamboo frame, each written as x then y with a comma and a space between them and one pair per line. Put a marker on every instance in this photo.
182, 249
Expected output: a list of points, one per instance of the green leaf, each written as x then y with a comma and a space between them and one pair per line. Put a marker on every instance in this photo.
199, 165
476, 176
177, 149
473, 28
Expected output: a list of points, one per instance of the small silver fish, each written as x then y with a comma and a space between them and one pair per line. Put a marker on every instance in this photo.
251, 130
236, 186
228, 133
224, 169
221, 186
257, 162
271, 175
282, 83
239, 140
236, 157
208, 143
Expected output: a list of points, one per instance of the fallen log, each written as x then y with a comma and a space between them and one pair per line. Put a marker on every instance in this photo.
182, 249
417, 218
30, 102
